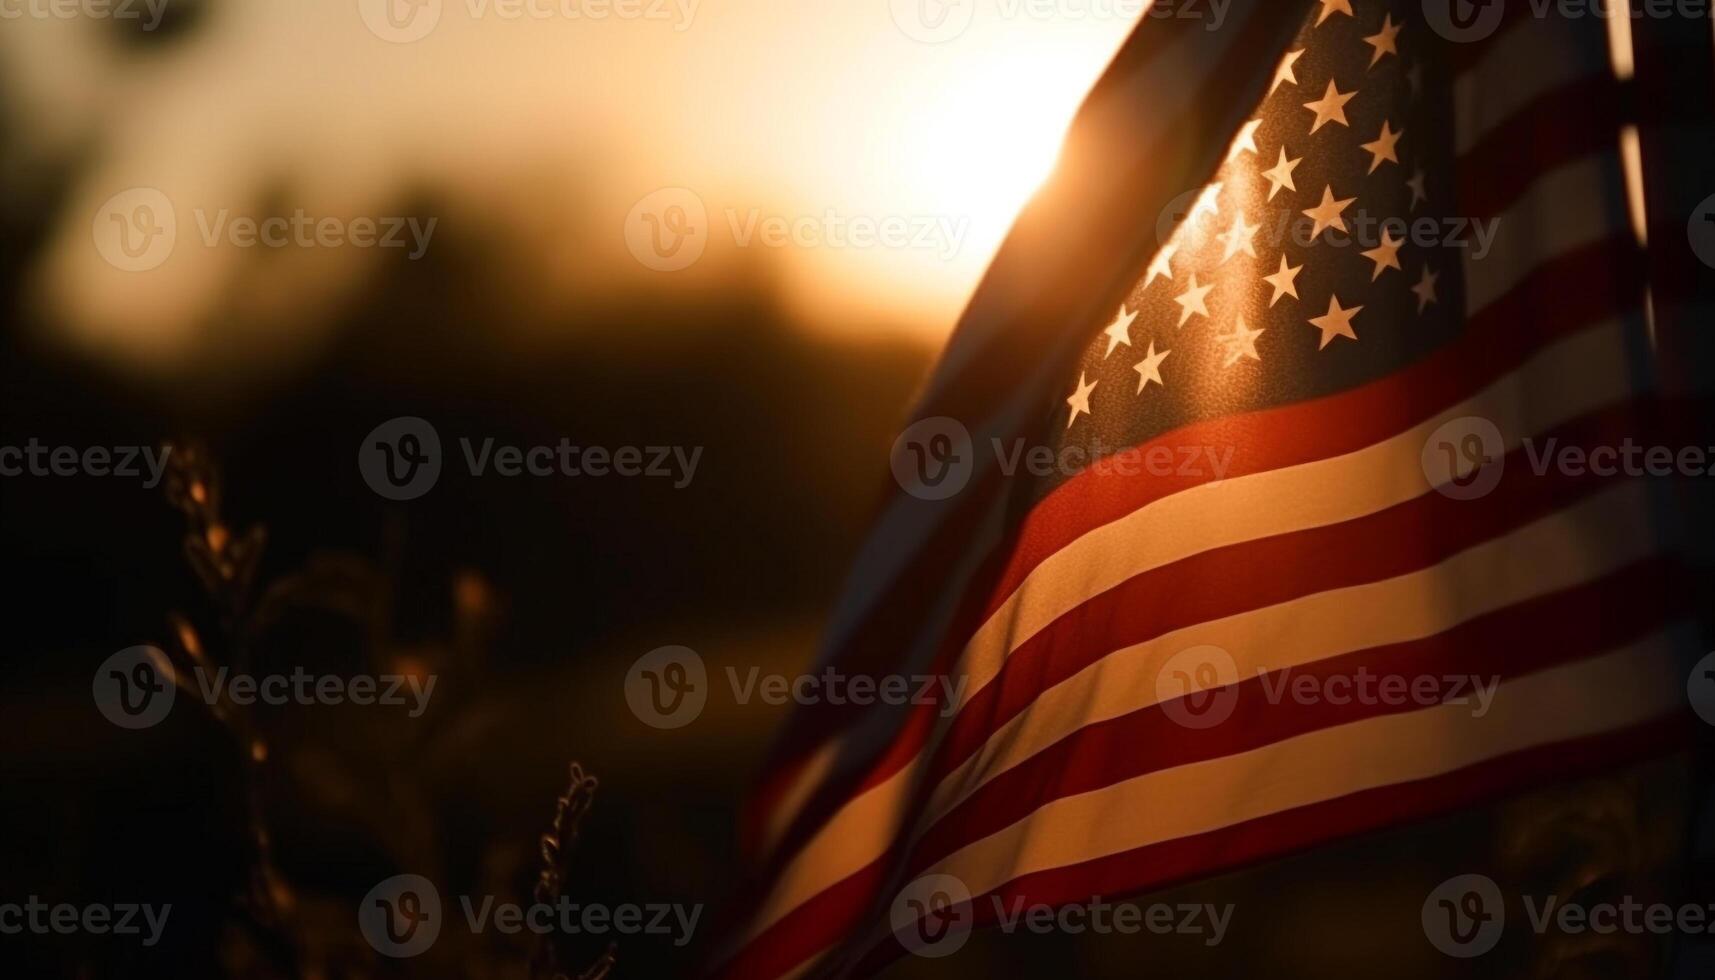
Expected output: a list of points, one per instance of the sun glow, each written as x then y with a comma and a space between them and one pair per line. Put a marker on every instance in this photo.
954, 138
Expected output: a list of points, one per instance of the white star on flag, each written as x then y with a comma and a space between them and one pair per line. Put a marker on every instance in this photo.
1119, 331
1193, 300
1241, 343
1385, 255
1286, 72
1246, 140
1080, 400
1149, 369
1386, 42
1336, 323
1425, 288
1328, 214
1162, 266
1331, 107
1385, 146
1281, 174
1285, 282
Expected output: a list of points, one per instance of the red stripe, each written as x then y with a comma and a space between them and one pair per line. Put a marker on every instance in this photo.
1161, 865
1568, 123
1591, 619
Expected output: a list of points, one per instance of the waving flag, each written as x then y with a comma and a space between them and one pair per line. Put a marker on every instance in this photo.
1241, 505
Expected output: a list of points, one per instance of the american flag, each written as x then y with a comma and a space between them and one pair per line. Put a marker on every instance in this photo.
1303, 290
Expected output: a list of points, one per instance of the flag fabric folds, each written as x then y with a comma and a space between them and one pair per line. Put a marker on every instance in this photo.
1299, 435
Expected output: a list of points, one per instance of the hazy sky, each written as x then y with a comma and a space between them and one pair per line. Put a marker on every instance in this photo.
796, 124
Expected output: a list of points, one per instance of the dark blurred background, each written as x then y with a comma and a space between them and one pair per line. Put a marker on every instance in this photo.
525, 320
